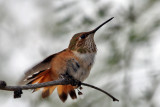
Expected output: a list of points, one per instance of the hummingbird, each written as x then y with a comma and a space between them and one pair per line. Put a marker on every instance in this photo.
75, 61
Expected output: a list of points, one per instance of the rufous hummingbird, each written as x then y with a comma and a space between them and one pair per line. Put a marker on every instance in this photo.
75, 61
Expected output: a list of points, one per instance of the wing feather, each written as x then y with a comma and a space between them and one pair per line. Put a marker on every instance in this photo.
39, 68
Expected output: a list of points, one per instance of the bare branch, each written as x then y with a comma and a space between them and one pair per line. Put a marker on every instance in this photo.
114, 99
18, 89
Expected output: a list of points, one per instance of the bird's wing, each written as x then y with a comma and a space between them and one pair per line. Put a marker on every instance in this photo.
32, 73
37, 69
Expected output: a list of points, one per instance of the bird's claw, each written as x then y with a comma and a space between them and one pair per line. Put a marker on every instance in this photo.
73, 82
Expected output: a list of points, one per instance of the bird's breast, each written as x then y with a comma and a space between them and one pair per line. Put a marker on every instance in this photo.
86, 61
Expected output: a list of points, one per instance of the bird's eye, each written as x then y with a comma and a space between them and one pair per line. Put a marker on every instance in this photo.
83, 36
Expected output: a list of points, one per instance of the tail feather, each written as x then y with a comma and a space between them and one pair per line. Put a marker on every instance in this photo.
63, 90
45, 92
48, 91
51, 89
71, 92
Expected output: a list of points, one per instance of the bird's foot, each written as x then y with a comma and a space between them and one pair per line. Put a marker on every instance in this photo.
73, 81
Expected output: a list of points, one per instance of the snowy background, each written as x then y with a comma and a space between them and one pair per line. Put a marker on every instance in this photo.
127, 63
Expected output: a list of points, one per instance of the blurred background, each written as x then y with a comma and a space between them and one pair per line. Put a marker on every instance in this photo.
127, 63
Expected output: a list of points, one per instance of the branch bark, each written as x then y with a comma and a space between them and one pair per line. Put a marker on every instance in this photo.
18, 89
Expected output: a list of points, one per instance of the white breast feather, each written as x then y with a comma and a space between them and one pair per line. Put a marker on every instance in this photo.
88, 60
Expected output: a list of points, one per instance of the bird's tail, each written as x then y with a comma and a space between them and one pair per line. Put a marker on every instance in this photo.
63, 90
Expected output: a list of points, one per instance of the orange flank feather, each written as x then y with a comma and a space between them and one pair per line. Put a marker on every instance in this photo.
44, 77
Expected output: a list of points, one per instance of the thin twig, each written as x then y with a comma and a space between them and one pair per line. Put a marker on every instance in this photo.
18, 89
88, 85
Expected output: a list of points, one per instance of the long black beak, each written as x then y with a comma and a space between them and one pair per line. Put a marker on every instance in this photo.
93, 31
